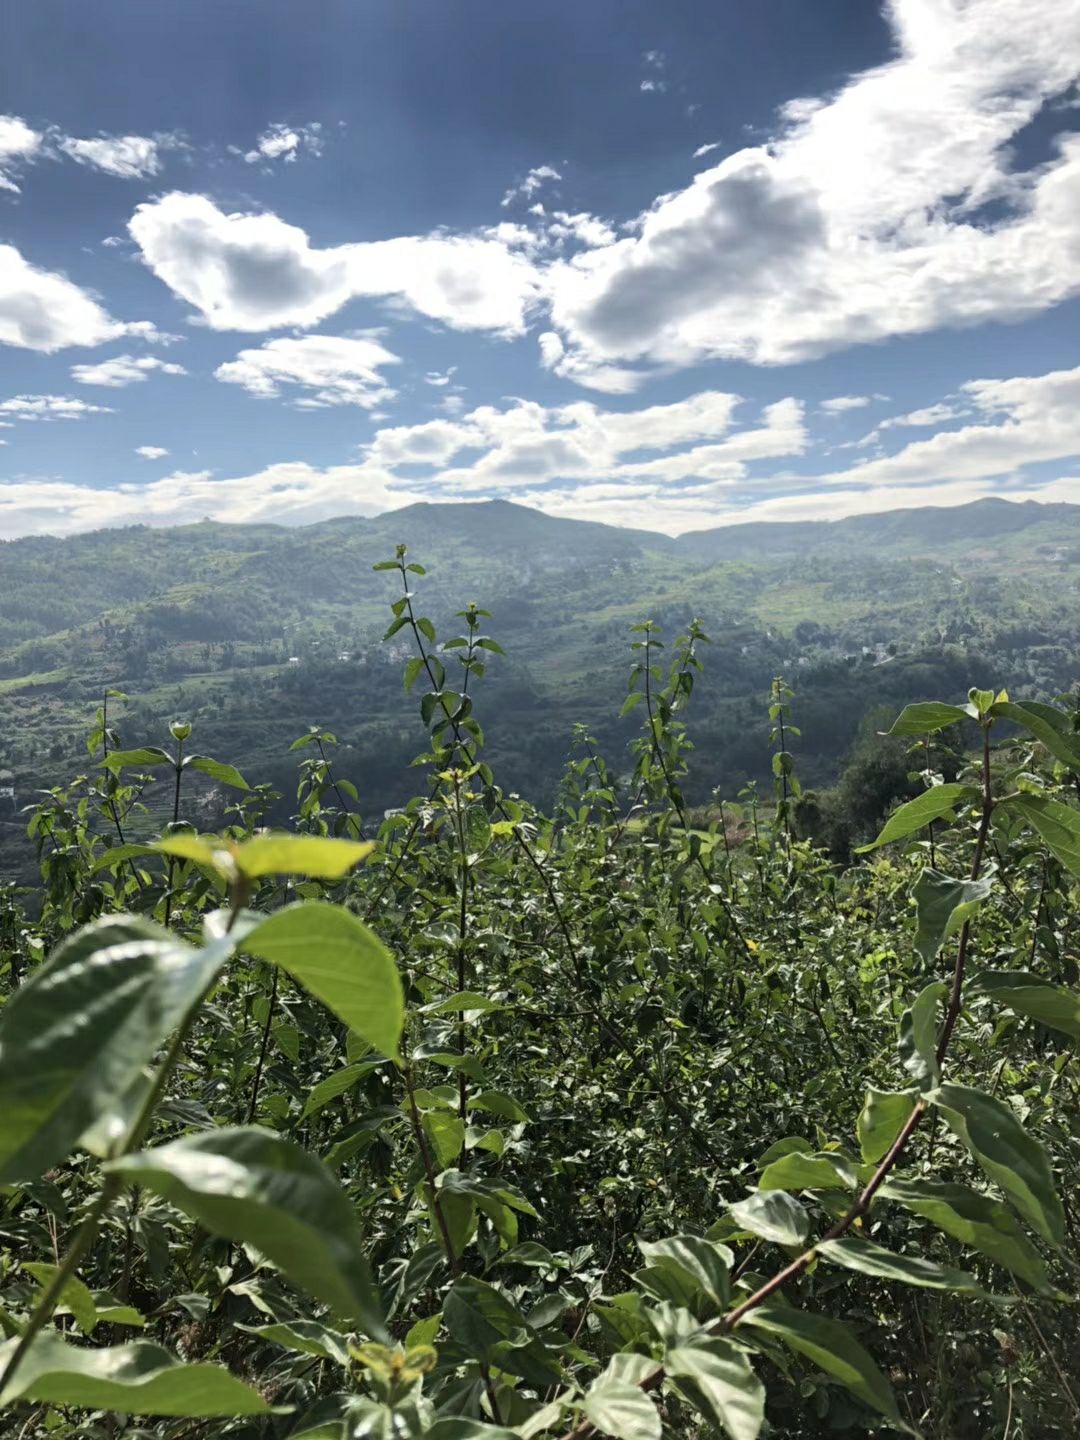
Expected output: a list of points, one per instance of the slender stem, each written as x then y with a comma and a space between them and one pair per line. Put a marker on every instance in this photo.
264, 1044
178, 766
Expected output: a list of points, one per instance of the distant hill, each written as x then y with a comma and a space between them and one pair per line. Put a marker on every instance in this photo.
256, 632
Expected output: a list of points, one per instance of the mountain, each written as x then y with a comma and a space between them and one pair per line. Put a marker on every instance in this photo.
256, 632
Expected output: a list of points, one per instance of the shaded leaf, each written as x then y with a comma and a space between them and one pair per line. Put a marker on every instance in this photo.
932, 804
1057, 824
917, 1037
622, 1410
772, 1215
943, 905
1028, 994
883, 1116
256, 1188
720, 1381
870, 1259
797, 1171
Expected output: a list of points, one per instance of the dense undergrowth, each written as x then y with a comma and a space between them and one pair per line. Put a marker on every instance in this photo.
505, 1124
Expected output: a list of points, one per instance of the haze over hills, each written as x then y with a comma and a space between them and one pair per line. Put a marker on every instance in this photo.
257, 632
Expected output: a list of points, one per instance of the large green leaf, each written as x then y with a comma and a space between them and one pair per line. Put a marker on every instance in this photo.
254, 1187
75, 1037
855, 1253
74, 1296
942, 905
1049, 731
320, 857
927, 717
772, 1215
306, 1336
335, 956
796, 1171
917, 1037
883, 1116
137, 1379
1007, 1153
622, 1410
1028, 994
704, 1262
932, 804
1057, 824
459, 1427
832, 1347
492, 1329
219, 771
146, 756
976, 1220
337, 1083
719, 1380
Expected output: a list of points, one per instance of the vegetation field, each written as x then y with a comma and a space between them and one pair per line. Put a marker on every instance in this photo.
656, 1112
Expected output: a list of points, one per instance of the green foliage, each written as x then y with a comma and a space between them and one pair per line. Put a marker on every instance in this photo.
636, 1119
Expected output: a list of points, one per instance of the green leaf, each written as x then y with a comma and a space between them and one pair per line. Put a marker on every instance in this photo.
496, 1103
721, 1383
1057, 824
623, 1410
219, 771
478, 1316
832, 1347
870, 1259
75, 1036
147, 755
136, 1379
253, 1187
772, 1215
797, 1171
704, 1262
462, 1002
943, 905
337, 1084
307, 1337
1049, 733
446, 1134
1007, 1153
883, 1116
932, 804
974, 1219
477, 830
320, 857
75, 1296
338, 959
1027, 994
926, 718
917, 1038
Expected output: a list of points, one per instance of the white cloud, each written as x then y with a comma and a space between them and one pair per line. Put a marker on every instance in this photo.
330, 369
582, 227
440, 377
664, 467
123, 370
151, 452
18, 144
863, 218
534, 180
1024, 421
128, 157
50, 407
255, 272
285, 142
839, 403
706, 149
655, 63
43, 310
929, 415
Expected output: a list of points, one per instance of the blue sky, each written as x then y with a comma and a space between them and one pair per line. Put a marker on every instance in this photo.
670, 265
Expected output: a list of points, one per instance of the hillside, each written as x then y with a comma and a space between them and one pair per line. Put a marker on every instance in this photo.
257, 632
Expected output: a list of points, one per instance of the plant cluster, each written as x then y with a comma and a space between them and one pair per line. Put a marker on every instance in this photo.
622, 1120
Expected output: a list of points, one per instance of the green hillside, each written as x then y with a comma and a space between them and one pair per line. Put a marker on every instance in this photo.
258, 632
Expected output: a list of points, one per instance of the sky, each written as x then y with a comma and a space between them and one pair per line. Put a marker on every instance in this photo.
666, 265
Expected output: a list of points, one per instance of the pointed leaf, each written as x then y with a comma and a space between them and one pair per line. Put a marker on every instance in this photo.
796, 1171
883, 1116
1048, 731
705, 1262
974, 1219
219, 771
137, 1379
1027, 994
75, 1037
926, 718
870, 1259
932, 804
146, 756
917, 1038
622, 1410
720, 1381
1057, 824
832, 1347
307, 1337
320, 857
1007, 1153
772, 1215
332, 954
75, 1296
943, 905
253, 1187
